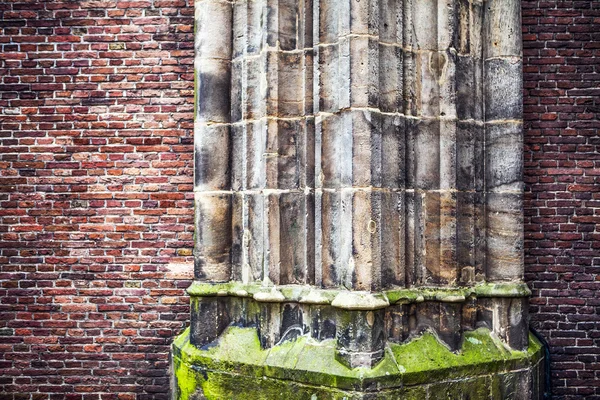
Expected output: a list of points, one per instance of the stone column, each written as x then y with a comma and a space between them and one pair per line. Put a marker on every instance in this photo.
212, 141
358, 201
503, 101
212, 156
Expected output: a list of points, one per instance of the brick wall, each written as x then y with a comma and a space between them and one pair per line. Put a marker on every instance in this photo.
95, 193
562, 159
96, 103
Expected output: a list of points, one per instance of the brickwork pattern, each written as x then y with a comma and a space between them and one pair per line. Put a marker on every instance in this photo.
562, 175
96, 204
96, 153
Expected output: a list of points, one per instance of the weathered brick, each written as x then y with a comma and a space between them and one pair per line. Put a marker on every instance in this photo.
560, 166
98, 97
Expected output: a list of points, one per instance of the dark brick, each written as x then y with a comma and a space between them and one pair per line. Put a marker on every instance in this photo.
561, 152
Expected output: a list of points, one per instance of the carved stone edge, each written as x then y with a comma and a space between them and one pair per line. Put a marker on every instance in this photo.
358, 300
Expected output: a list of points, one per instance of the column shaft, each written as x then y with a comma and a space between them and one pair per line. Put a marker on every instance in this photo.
212, 150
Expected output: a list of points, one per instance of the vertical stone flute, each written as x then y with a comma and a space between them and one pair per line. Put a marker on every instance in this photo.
503, 95
212, 138
358, 184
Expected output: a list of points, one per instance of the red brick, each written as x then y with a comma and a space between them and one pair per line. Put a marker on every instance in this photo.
559, 158
84, 90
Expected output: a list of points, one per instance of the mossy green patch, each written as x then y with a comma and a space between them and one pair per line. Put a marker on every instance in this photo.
308, 294
186, 379
425, 358
507, 289
311, 367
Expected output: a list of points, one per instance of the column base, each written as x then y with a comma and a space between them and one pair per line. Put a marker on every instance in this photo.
236, 367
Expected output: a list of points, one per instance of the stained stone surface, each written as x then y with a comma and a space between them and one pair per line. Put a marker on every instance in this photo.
238, 367
358, 172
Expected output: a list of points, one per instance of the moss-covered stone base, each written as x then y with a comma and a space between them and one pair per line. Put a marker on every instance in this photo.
236, 367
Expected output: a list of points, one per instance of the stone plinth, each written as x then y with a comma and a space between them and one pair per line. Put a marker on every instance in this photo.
238, 367
358, 185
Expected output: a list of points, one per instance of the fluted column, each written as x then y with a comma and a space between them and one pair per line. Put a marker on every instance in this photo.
273, 142
358, 165
358, 193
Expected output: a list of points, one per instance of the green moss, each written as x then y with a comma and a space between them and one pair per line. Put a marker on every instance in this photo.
425, 357
477, 388
508, 289
421, 294
241, 345
311, 367
307, 294
186, 379
206, 289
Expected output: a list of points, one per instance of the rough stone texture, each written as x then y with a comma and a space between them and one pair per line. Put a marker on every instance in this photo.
44, 268
350, 138
340, 156
237, 367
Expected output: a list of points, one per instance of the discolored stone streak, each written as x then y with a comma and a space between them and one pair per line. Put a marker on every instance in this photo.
367, 146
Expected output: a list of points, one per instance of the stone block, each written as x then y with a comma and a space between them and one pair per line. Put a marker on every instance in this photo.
448, 149
425, 155
360, 338
253, 153
240, 23
503, 86
504, 236
237, 105
214, 30
255, 26
288, 19
469, 87
424, 24
392, 152
470, 157
213, 78
330, 82
442, 318
391, 22
502, 28
209, 319
507, 317
477, 388
290, 86
364, 129
411, 96
213, 237
396, 323
211, 157
329, 21
504, 157
290, 249
364, 18
364, 59
390, 237
513, 386
429, 68
350, 247
391, 78
256, 86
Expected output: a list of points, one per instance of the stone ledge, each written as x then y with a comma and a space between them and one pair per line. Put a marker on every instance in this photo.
236, 365
367, 301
